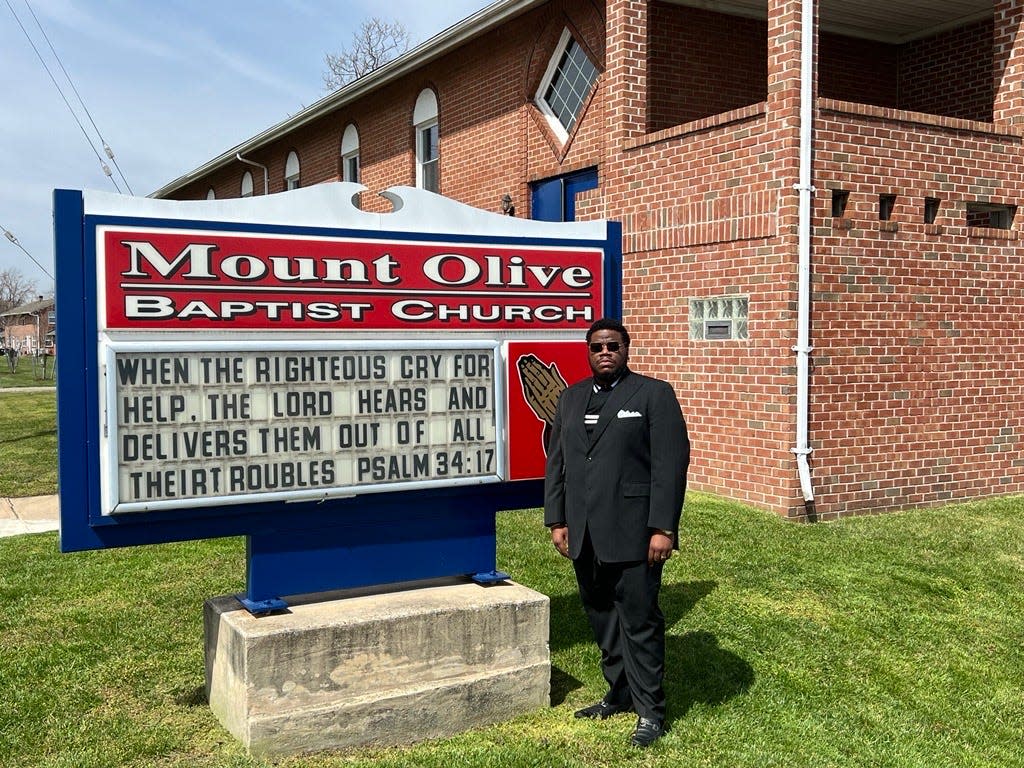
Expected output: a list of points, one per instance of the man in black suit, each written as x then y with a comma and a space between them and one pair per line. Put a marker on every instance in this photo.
613, 495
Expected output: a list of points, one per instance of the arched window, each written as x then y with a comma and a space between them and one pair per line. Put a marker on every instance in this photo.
291, 171
424, 120
210, 194
350, 154
247, 184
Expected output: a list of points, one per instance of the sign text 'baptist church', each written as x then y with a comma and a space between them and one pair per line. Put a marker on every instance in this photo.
176, 280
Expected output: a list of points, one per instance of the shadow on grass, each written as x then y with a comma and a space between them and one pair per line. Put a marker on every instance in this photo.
33, 435
699, 671
569, 624
562, 684
678, 598
194, 698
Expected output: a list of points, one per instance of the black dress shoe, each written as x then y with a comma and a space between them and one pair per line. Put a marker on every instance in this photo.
647, 732
603, 710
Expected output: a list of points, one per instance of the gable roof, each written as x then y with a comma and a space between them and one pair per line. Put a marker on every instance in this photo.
39, 305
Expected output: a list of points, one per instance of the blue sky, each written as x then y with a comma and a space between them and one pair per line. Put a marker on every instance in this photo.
169, 83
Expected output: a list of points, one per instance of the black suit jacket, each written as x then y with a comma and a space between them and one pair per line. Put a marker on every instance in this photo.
629, 478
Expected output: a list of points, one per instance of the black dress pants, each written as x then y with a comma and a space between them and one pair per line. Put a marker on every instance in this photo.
621, 602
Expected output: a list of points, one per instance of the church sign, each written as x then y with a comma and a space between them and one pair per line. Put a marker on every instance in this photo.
299, 371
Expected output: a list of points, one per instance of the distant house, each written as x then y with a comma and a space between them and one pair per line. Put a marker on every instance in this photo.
30, 327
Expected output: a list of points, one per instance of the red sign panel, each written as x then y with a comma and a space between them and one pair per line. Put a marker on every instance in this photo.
538, 371
177, 280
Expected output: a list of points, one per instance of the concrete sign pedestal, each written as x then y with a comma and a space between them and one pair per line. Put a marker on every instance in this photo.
377, 668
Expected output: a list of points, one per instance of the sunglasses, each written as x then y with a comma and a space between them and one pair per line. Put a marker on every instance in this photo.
611, 346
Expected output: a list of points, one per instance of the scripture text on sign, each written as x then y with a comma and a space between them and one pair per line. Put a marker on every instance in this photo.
229, 426
174, 280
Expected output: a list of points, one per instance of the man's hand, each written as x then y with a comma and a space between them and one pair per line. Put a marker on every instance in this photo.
660, 548
560, 538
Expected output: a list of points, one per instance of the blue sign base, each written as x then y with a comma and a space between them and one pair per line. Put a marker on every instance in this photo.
448, 538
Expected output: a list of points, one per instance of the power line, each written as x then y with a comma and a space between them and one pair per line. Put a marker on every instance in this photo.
10, 236
106, 147
103, 165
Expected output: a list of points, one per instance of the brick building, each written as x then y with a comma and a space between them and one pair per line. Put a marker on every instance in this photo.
29, 328
819, 230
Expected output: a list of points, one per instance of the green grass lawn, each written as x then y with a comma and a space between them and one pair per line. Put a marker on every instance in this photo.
28, 443
32, 372
878, 641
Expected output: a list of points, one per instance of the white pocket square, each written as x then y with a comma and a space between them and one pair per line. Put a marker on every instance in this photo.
630, 414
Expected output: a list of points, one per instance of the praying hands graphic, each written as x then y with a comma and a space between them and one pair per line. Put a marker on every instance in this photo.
542, 384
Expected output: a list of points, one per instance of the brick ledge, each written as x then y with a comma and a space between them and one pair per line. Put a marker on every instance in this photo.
703, 124
922, 118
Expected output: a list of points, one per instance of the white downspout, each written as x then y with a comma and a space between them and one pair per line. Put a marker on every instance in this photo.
803, 346
266, 173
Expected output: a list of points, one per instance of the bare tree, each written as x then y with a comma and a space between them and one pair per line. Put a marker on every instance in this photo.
15, 289
375, 43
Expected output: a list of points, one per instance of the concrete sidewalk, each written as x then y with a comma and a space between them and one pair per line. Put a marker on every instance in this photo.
29, 514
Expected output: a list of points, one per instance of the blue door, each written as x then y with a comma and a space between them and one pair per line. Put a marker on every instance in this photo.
555, 199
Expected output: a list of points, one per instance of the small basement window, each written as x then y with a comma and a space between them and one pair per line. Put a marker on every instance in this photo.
990, 215
886, 203
722, 318
840, 198
931, 209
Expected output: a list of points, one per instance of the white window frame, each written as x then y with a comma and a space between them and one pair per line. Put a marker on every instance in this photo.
424, 121
246, 189
291, 171
350, 166
540, 97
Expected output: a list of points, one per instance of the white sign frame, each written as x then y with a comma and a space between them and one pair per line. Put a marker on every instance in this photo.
109, 462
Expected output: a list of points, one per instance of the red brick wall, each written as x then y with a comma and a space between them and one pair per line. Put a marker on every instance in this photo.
858, 70
689, 78
706, 209
918, 329
947, 74
702, 63
950, 74
25, 333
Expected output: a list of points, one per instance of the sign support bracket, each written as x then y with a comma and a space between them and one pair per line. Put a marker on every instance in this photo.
490, 577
